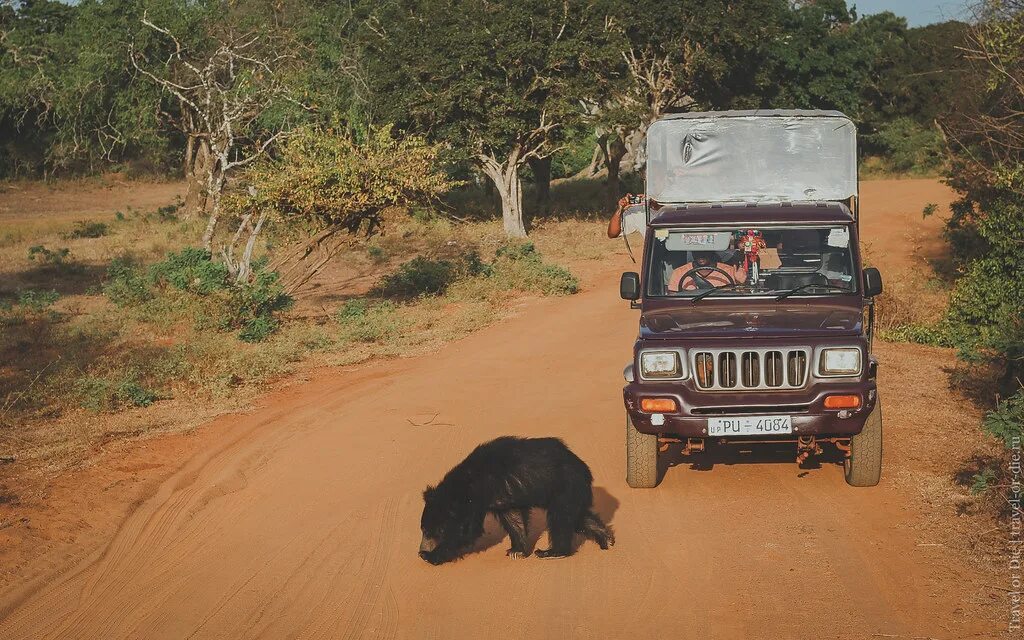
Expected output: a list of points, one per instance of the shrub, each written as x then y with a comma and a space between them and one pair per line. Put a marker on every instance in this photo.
519, 266
908, 146
364, 321
191, 269
251, 307
57, 258
99, 393
36, 301
125, 285
419, 277
987, 305
88, 229
1006, 421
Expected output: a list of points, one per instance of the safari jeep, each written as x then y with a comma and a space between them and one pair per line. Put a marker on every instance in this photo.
756, 315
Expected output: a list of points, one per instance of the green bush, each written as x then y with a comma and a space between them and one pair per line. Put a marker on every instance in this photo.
519, 266
88, 229
907, 146
364, 321
419, 277
99, 393
1006, 421
36, 301
251, 307
191, 269
986, 308
125, 285
58, 258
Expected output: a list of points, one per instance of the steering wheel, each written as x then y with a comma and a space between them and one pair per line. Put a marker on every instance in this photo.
695, 270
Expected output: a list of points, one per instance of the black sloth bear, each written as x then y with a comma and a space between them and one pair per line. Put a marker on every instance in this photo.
507, 477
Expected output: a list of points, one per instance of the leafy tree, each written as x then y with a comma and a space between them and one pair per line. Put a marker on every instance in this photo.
68, 97
330, 183
823, 58
499, 82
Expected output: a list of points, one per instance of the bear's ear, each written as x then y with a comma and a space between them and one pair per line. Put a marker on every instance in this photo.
428, 493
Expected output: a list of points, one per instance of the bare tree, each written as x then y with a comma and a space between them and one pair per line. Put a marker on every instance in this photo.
994, 134
221, 94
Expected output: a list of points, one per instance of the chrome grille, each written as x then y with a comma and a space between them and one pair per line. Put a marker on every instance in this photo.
763, 369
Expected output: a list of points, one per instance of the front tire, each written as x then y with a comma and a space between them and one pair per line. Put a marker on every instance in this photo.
863, 467
641, 458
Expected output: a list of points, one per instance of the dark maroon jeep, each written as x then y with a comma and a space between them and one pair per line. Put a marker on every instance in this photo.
756, 312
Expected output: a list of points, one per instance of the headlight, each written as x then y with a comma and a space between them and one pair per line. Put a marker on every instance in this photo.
660, 364
839, 362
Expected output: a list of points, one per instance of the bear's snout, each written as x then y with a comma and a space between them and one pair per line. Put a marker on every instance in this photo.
427, 545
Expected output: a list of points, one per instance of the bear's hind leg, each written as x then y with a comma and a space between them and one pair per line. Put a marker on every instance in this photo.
560, 529
515, 523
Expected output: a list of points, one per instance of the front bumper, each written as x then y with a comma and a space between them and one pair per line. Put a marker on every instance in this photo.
806, 406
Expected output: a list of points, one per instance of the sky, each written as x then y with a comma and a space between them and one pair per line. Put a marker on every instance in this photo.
917, 12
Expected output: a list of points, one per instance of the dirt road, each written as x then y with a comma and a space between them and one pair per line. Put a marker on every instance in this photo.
302, 521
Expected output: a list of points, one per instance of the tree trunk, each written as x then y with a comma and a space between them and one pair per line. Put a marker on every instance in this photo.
511, 192
614, 150
541, 168
215, 184
197, 155
505, 177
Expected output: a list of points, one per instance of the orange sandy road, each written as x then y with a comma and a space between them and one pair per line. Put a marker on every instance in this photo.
304, 522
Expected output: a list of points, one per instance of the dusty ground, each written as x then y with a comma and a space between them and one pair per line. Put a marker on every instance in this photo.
300, 518
69, 200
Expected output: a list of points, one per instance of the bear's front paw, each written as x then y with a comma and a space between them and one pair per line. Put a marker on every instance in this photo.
515, 554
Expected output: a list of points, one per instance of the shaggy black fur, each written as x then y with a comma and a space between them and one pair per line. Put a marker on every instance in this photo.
507, 477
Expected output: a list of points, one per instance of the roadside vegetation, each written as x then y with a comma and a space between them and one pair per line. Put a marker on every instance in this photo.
982, 313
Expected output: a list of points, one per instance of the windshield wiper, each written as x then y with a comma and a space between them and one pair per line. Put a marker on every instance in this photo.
724, 287
783, 296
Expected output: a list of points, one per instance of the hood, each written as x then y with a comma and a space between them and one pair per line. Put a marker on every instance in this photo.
748, 320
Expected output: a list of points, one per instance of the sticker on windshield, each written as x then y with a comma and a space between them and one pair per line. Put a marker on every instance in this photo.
839, 238
698, 241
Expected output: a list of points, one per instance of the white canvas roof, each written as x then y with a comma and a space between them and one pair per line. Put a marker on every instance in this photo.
752, 156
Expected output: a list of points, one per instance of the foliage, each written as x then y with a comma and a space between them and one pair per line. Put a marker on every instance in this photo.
362, 320
1006, 421
519, 266
125, 285
936, 335
88, 229
106, 394
987, 304
907, 146
985, 230
53, 257
253, 307
419, 277
36, 301
330, 179
191, 269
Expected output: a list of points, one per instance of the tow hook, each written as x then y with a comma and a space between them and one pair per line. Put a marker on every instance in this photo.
806, 446
690, 445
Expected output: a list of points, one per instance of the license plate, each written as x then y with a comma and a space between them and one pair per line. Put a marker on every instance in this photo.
750, 426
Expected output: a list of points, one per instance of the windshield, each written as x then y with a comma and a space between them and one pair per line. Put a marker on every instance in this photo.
812, 260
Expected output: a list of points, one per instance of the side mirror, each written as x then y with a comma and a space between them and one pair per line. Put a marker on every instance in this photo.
872, 282
629, 286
